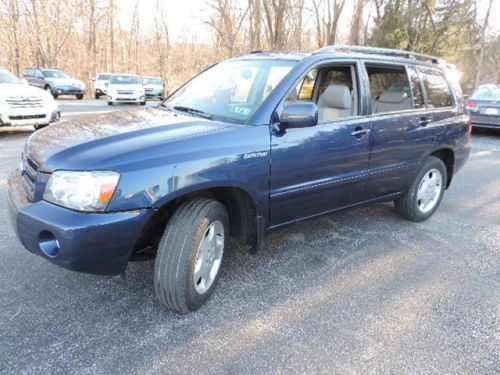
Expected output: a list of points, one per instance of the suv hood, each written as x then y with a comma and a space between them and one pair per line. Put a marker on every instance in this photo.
9, 90
64, 81
153, 86
94, 139
125, 87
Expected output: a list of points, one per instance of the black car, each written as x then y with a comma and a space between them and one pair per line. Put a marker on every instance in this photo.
55, 81
483, 107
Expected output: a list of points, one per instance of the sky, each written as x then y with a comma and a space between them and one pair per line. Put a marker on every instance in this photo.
186, 17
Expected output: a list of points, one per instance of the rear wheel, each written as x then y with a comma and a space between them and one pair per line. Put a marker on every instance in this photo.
49, 90
189, 257
79, 97
38, 127
143, 103
97, 96
110, 103
425, 193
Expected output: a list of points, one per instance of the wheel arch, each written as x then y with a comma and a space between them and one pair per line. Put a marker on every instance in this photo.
447, 156
240, 204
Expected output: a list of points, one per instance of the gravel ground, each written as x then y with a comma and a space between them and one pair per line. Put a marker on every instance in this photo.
357, 292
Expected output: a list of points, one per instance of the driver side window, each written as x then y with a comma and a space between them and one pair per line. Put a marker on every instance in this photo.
333, 90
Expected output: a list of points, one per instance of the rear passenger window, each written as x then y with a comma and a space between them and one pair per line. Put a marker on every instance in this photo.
436, 87
389, 88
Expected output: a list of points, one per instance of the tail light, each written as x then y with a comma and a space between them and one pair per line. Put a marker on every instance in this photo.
470, 105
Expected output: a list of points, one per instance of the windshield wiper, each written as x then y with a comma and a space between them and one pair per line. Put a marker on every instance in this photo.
193, 111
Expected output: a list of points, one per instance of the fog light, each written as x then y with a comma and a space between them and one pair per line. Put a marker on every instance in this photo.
48, 243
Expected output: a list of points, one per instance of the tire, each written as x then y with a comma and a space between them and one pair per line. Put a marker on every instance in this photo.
177, 256
410, 206
143, 103
110, 103
79, 97
38, 127
97, 96
49, 90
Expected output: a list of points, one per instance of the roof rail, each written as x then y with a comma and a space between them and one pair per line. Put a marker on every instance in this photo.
380, 51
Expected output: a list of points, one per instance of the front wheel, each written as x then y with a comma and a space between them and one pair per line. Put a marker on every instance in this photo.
79, 97
425, 193
189, 256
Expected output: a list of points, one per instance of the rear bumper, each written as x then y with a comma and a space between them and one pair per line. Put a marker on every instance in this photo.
482, 121
85, 242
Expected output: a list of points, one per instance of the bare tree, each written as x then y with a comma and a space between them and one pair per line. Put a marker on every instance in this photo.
227, 20
357, 22
276, 12
483, 40
327, 15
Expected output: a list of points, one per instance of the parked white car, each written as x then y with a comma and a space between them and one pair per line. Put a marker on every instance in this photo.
126, 88
22, 104
101, 83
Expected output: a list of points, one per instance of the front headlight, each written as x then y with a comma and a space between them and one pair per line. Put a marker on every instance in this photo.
81, 191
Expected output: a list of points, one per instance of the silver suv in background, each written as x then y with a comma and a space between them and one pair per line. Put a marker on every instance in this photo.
55, 81
153, 87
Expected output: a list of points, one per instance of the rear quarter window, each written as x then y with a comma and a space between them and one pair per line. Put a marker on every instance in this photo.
436, 87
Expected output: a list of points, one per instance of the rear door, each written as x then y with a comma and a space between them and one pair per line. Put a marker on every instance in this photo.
38, 79
402, 127
318, 169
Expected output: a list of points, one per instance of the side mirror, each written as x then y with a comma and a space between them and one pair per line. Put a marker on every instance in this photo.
299, 115
24, 81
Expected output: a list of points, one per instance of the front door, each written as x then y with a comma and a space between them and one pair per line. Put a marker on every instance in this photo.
322, 168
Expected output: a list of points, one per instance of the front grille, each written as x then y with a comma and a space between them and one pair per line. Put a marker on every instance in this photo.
25, 102
125, 92
27, 117
29, 173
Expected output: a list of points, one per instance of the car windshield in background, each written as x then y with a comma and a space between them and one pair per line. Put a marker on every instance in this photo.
103, 77
231, 90
151, 81
7, 77
125, 80
490, 92
55, 74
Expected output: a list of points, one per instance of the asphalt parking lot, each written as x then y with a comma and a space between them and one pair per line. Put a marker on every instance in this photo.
361, 291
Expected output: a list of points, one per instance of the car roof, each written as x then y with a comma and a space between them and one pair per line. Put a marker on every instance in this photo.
346, 51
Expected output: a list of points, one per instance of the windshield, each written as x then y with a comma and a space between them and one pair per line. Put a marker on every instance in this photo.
490, 92
231, 90
125, 80
151, 81
55, 74
7, 77
103, 77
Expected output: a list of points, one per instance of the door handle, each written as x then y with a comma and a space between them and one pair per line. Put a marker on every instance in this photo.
424, 121
359, 132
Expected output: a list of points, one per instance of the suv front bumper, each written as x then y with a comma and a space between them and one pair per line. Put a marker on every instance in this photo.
98, 243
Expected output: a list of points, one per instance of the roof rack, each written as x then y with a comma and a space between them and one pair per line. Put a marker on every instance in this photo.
380, 51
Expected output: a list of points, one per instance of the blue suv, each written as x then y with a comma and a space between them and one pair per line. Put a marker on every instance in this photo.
250, 145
